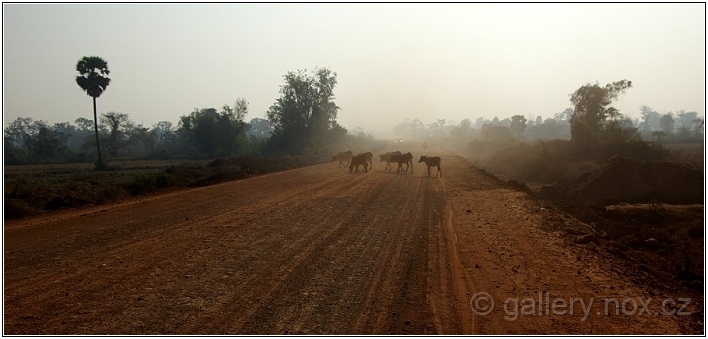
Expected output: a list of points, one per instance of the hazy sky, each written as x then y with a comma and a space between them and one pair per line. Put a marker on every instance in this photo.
393, 61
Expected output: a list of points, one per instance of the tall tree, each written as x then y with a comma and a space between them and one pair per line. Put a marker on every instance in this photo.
564, 116
260, 128
211, 133
699, 125
305, 112
437, 128
591, 110
18, 132
686, 122
667, 123
118, 124
141, 139
649, 118
84, 124
232, 127
17, 139
47, 142
518, 125
163, 131
93, 79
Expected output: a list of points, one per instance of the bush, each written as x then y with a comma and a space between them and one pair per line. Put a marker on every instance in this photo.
554, 160
17, 208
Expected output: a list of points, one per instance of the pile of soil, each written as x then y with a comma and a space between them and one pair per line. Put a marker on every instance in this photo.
664, 240
630, 180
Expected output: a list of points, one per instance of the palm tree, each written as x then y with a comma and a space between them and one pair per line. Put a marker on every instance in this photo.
93, 79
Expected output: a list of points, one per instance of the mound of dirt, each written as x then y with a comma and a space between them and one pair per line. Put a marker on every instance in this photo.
632, 181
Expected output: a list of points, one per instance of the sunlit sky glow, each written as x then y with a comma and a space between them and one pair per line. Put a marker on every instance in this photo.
394, 61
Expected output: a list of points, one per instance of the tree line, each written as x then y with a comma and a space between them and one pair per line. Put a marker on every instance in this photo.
204, 133
590, 121
302, 121
517, 127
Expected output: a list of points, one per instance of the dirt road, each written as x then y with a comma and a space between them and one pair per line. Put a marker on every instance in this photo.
320, 251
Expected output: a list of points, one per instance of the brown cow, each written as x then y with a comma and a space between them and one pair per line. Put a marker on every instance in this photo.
406, 158
342, 157
388, 158
369, 158
359, 159
431, 161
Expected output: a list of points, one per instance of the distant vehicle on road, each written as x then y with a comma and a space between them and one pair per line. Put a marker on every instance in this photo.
399, 141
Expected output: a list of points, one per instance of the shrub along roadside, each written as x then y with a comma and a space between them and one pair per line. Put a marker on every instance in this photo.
551, 161
643, 201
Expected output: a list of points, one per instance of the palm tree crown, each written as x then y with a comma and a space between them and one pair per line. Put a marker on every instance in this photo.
93, 76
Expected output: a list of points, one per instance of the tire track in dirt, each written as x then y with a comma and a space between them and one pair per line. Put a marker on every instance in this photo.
324, 292
33, 294
287, 259
305, 260
68, 231
400, 263
309, 251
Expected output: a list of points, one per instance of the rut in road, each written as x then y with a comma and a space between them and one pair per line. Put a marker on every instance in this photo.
307, 251
317, 251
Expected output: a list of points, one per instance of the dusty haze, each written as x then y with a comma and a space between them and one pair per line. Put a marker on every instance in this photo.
394, 61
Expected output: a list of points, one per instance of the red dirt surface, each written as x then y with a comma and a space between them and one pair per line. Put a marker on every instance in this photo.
317, 250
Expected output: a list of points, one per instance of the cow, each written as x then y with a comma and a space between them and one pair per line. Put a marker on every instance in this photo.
388, 158
342, 157
359, 159
369, 158
431, 161
406, 158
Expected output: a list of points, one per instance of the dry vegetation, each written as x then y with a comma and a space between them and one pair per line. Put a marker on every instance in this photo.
647, 211
35, 189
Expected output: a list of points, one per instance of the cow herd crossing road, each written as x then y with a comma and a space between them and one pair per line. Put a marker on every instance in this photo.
347, 159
